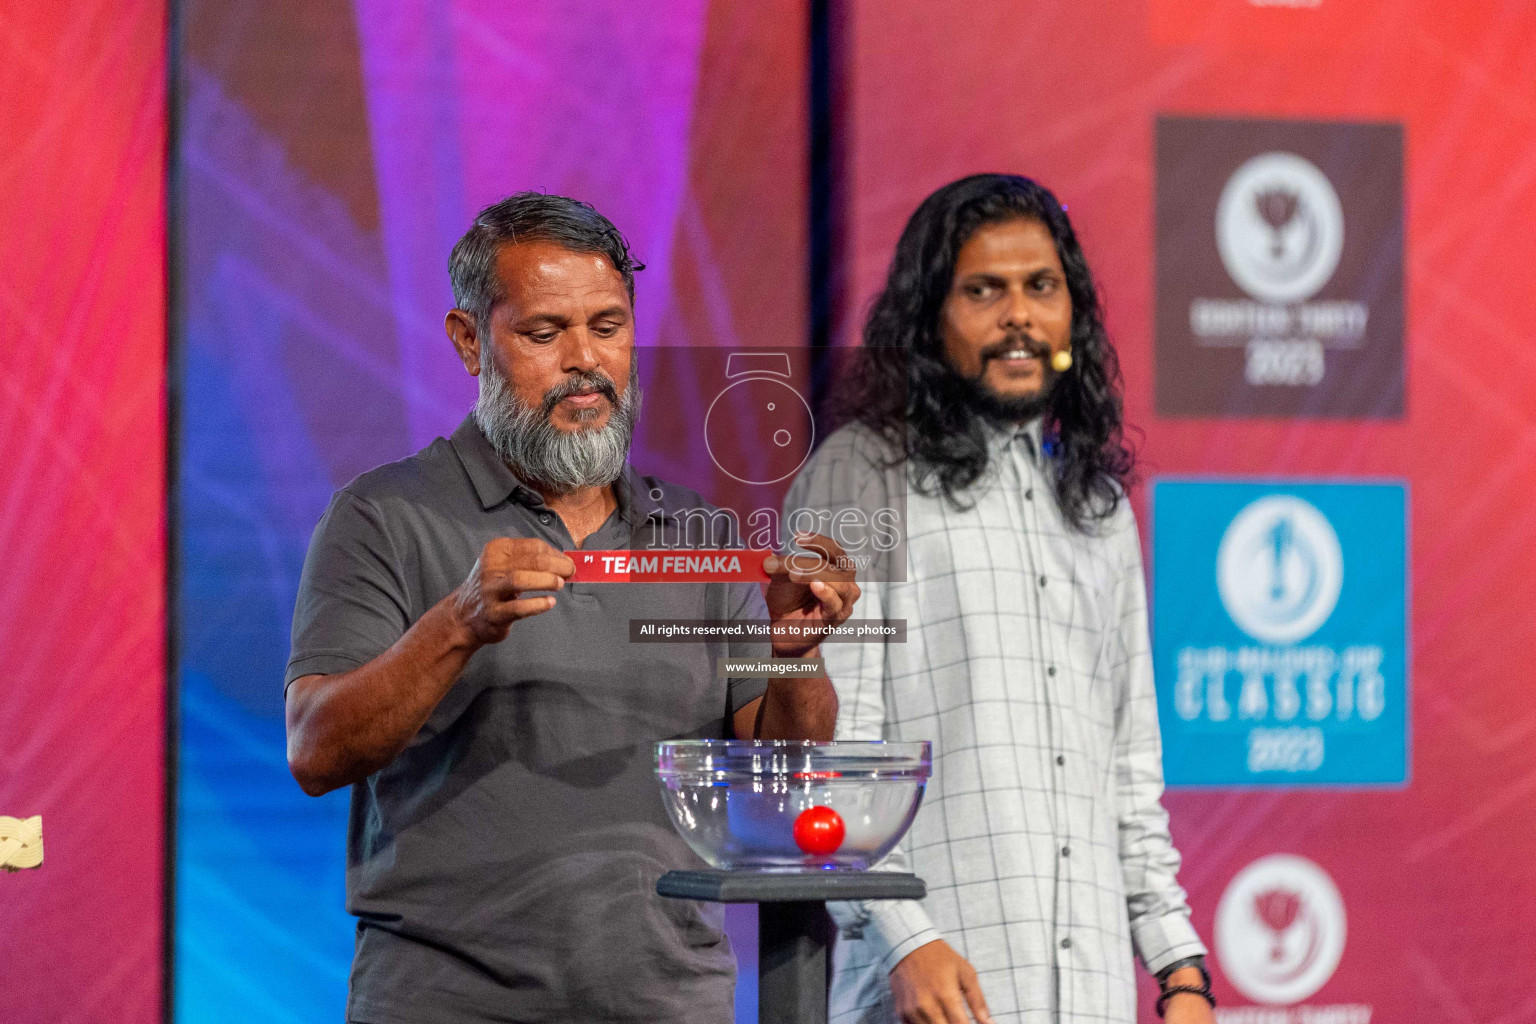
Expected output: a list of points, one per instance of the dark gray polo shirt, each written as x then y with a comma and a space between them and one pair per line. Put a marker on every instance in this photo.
503, 866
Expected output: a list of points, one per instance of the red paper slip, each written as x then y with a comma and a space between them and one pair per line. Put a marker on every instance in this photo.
713, 565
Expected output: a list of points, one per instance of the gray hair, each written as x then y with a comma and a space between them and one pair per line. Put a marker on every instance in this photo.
527, 217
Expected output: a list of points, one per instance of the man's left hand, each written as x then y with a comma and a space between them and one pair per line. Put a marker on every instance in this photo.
1186, 1007
811, 591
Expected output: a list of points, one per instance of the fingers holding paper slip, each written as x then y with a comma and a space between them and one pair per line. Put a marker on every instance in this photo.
809, 592
493, 597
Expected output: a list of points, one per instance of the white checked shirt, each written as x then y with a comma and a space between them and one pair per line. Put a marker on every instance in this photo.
1027, 663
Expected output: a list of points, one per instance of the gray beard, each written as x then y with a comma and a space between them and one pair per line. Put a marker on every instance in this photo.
543, 455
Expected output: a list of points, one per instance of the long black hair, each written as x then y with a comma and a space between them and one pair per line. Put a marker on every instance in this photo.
906, 391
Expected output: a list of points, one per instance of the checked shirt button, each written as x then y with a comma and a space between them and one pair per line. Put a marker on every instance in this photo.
1042, 581
1061, 758
1066, 943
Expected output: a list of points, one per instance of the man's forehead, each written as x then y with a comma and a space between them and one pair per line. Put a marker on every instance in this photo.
546, 270
1020, 240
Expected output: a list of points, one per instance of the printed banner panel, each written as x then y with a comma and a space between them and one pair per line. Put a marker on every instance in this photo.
1279, 633
82, 510
1279, 268
1415, 116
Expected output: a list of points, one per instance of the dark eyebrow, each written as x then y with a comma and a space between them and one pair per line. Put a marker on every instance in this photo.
611, 311
537, 320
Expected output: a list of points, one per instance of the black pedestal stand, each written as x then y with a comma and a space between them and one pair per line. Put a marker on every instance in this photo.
792, 928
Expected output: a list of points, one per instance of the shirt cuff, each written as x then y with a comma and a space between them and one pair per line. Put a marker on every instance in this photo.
892, 928
1166, 939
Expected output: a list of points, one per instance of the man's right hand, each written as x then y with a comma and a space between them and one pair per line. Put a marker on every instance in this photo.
344, 727
490, 598
934, 985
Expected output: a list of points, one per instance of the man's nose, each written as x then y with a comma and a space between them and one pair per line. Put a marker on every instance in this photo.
1016, 311
580, 354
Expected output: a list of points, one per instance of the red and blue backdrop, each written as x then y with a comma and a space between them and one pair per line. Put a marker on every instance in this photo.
762, 159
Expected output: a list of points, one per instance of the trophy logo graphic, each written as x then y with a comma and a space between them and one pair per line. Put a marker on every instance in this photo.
1277, 908
1279, 569
1279, 228
1278, 208
1280, 929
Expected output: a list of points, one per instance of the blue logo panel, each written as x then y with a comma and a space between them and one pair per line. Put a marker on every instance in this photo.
1279, 632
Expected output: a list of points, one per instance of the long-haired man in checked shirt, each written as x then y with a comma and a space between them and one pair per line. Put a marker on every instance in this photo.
991, 405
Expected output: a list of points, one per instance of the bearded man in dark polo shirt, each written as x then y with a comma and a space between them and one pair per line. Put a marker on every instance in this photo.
491, 717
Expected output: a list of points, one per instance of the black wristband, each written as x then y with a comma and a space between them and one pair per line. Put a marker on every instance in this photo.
1195, 961
1204, 992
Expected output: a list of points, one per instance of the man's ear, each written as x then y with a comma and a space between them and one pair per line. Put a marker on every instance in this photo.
466, 339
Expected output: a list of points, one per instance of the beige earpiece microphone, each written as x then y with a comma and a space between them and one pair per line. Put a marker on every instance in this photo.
1061, 361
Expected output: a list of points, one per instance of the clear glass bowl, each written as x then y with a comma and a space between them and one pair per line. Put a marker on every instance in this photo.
737, 802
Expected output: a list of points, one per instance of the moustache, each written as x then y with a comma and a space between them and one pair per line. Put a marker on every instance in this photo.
1013, 343
580, 383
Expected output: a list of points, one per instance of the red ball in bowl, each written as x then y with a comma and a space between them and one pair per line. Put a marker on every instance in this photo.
819, 831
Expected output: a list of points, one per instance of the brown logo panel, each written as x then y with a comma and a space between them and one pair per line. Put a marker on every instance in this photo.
1279, 268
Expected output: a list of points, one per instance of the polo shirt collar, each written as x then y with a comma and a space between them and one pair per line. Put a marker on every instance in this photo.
494, 483
637, 499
